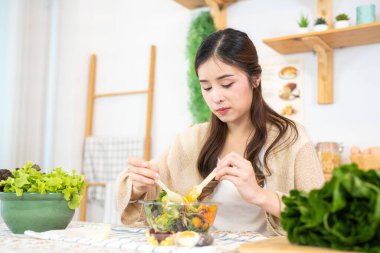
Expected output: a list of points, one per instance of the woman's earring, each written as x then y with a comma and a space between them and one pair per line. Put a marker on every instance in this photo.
258, 82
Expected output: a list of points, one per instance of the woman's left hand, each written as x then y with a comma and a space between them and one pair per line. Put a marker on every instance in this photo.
240, 172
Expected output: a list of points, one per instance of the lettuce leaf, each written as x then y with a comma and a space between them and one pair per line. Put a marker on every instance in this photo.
31, 179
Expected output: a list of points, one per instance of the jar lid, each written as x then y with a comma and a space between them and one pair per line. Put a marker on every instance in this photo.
327, 144
330, 146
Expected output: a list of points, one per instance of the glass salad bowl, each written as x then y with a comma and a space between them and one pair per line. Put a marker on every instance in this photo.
183, 224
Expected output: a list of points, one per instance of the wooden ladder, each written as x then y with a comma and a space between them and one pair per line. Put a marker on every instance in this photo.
90, 114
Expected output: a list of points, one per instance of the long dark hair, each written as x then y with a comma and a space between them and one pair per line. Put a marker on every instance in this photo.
236, 49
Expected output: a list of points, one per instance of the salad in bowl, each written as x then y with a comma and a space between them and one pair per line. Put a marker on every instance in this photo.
181, 223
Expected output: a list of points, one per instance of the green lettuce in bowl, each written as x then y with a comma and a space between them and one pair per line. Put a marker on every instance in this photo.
38, 201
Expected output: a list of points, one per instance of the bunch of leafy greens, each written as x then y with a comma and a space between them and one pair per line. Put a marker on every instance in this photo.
343, 214
30, 179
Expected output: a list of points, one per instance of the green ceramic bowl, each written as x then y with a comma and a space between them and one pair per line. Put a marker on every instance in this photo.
34, 211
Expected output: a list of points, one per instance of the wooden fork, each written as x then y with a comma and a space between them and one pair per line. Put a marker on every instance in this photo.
173, 196
197, 190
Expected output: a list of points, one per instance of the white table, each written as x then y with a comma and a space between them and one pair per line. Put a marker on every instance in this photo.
122, 239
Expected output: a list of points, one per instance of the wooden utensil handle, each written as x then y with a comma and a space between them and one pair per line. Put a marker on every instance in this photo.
207, 180
162, 185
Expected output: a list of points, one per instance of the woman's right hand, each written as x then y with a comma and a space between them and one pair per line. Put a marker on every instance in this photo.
143, 176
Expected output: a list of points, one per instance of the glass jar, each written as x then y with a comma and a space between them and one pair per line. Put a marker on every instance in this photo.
329, 155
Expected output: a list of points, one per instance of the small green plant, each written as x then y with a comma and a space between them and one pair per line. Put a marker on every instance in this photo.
303, 22
342, 17
320, 21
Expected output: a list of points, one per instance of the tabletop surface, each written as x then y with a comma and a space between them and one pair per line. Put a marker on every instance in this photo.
121, 239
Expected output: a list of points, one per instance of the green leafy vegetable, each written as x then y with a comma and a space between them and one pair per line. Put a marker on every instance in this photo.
166, 216
31, 179
343, 214
161, 195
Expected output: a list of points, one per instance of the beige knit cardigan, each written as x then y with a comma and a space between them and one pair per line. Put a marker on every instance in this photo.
296, 167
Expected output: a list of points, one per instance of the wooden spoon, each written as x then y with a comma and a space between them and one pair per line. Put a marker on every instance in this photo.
197, 190
173, 196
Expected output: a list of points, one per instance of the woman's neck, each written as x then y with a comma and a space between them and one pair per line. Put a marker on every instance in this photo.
238, 136
240, 129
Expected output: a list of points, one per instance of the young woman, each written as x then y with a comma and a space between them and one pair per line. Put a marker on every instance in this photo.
258, 154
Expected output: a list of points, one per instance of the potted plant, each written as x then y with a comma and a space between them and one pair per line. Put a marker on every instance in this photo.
38, 201
303, 24
342, 21
320, 24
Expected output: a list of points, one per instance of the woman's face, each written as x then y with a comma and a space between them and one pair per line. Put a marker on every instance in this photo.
226, 90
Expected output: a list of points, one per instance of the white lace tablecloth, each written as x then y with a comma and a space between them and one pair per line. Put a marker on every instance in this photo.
122, 239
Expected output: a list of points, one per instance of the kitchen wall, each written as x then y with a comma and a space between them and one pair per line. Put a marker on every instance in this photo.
120, 33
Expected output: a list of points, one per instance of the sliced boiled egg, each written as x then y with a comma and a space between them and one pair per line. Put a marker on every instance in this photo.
187, 238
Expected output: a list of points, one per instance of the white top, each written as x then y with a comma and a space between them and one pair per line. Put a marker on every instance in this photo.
234, 213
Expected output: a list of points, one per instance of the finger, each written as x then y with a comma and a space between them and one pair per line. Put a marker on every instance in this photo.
232, 162
235, 180
146, 172
228, 160
153, 167
142, 187
138, 162
223, 163
237, 160
136, 178
232, 171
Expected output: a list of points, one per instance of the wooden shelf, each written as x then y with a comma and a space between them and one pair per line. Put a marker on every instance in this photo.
323, 44
334, 38
192, 4
218, 9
